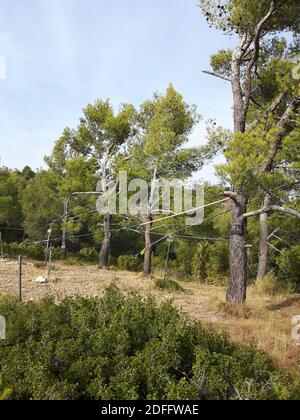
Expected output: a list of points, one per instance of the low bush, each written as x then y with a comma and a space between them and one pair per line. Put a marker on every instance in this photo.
129, 263
217, 279
200, 261
269, 285
158, 262
272, 286
5, 393
33, 251
113, 262
219, 258
289, 265
124, 348
72, 261
169, 285
89, 255
235, 310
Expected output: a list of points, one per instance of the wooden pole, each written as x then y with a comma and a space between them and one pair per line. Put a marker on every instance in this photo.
50, 263
64, 230
20, 261
170, 241
48, 242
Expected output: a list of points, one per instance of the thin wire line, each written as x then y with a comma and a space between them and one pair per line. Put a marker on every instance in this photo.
186, 212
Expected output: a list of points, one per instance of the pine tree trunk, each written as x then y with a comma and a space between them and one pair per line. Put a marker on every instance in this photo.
237, 290
264, 247
264, 243
105, 249
148, 249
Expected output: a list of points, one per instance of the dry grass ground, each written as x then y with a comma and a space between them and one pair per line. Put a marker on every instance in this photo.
267, 320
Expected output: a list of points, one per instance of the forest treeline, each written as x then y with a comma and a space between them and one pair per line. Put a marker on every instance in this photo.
253, 233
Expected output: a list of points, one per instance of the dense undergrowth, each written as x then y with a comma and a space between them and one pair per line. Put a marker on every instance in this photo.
124, 347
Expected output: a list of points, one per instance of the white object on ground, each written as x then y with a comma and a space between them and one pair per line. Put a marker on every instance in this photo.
7, 263
41, 280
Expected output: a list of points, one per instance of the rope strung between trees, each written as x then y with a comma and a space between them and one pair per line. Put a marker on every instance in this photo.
144, 224
225, 200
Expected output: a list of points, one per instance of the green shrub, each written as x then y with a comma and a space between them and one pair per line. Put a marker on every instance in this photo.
179, 270
5, 393
289, 265
217, 279
123, 348
219, 259
200, 262
56, 253
185, 253
269, 285
209, 265
158, 262
169, 285
89, 255
236, 310
272, 286
129, 263
33, 251
113, 262
72, 260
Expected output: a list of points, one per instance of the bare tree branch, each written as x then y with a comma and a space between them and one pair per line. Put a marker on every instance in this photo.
285, 210
239, 105
273, 233
256, 102
290, 212
214, 74
255, 55
276, 249
280, 98
290, 187
255, 213
231, 195
271, 110
284, 121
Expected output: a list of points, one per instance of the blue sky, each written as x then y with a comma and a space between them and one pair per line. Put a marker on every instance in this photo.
63, 54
